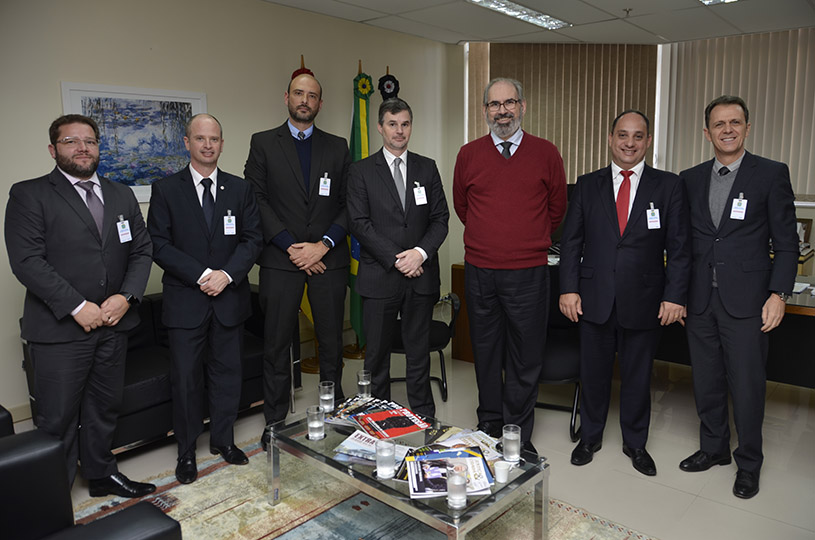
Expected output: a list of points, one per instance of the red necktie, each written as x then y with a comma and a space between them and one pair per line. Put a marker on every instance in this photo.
623, 196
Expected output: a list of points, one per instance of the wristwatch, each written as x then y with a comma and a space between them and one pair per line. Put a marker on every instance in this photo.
784, 296
327, 243
130, 298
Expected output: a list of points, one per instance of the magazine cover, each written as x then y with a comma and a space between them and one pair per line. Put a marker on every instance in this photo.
391, 423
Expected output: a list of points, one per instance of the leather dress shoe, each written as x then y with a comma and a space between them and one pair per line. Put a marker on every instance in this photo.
746, 485
120, 485
231, 454
702, 461
641, 460
187, 470
492, 429
584, 452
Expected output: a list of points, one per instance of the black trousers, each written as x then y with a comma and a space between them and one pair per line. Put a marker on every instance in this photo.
509, 313
280, 294
379, 317
218, 349
728, 353
635, 350
80, 384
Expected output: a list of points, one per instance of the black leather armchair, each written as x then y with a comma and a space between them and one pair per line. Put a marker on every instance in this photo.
36, 498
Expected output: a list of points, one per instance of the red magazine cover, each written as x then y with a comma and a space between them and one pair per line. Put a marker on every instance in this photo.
389, 424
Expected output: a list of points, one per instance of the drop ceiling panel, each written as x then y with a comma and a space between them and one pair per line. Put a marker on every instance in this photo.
466, 18
574, 11
419, 29
331, 8
685, 25
394, 7
616, 31
757, 16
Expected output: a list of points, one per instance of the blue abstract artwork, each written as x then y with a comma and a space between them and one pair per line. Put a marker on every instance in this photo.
142, 140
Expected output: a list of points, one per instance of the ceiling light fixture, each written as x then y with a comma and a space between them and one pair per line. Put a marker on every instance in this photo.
523, 13
714, 2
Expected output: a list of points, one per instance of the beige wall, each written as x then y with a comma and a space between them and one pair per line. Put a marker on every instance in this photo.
240, 53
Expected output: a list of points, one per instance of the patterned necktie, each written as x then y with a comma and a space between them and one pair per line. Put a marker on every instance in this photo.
623, 197
507, 145
399, 180
723, 171
94, 204
207, 202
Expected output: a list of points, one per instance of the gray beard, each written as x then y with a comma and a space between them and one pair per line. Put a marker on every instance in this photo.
504, 131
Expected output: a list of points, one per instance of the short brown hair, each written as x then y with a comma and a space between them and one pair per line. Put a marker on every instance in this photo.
65, 119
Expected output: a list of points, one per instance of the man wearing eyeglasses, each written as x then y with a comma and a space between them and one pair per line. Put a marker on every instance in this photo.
78, 244
509, 190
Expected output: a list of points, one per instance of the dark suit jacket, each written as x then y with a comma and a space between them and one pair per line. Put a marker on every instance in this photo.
184, 247
383, 228
740, 248
273, 168
56, 252
629, 270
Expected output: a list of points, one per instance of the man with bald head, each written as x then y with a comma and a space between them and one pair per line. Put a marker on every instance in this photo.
205, 228
299, 172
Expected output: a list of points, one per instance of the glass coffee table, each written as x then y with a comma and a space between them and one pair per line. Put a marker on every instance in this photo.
531, 475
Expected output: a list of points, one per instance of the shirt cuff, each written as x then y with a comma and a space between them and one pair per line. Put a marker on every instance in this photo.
78, 308
330, 240
423, 252
283, 240
206, 272
336, 233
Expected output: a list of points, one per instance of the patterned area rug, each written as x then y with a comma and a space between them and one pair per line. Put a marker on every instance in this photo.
230, 503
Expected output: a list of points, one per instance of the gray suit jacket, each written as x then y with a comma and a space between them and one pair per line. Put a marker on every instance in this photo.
56, 252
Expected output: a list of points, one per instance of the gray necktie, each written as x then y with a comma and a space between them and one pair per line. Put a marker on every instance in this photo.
507, 145
94, 204
207, 202
399, 180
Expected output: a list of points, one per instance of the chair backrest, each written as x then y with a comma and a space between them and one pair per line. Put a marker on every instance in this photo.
6, 423
455, 304
36, 497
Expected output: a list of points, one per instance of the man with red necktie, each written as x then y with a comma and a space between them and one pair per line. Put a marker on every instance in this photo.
614, 280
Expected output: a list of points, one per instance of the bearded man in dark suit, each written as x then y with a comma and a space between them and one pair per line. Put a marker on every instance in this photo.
78, 244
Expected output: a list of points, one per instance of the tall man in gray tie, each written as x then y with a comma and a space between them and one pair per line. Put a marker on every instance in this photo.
398, 212
739, 203
78, 244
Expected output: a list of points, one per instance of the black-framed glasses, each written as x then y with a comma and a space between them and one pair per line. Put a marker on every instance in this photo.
74, 142
509, 104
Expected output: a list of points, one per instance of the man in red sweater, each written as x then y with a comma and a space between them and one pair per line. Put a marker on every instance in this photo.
509, 190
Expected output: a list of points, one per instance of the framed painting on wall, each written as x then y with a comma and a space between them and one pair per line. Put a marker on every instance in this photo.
141, 130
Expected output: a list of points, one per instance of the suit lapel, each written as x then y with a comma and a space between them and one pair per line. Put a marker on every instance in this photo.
411, 171
316, 163
190, 197
222, 201
642, 199
286, 142
109, 218
68, 192
386, 178
605, 190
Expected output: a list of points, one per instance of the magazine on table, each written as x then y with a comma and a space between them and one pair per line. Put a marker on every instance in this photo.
362, 445
354, 405
390, 423
469, 438
427, 474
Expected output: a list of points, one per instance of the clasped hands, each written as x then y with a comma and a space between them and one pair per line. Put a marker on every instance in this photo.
307, 256
93, 316
409, 262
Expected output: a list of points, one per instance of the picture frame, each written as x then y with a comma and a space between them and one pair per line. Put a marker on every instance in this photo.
141, 129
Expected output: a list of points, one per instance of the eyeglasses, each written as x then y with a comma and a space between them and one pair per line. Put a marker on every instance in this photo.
509, 105
74, 142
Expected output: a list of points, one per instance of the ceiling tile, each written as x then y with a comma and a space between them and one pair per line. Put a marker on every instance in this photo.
641, 7
466, 18
616, 31
574, 12
420, 29
753, 16
545, 36
331, 8
395, 7
685, 25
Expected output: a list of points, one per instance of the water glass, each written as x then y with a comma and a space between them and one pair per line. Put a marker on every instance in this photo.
385, 459
316, 422
457, 485
364, 383
326, 389
512, 443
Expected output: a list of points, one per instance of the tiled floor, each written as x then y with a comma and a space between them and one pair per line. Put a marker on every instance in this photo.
670, 506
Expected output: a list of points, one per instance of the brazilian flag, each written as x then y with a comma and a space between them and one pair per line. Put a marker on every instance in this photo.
363, 87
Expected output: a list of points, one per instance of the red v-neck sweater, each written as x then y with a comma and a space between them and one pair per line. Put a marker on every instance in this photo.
509, 207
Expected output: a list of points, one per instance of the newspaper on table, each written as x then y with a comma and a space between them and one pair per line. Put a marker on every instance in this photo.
469, 438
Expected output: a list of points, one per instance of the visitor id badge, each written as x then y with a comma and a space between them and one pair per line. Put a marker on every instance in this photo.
230, 224
123, 227
652, 215
419, 194
739, 208
325, 186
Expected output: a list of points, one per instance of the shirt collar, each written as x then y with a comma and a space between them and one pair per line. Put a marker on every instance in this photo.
515, 139
196, 176
294, 131
733, 167
74, 180
390, 157
638, 168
